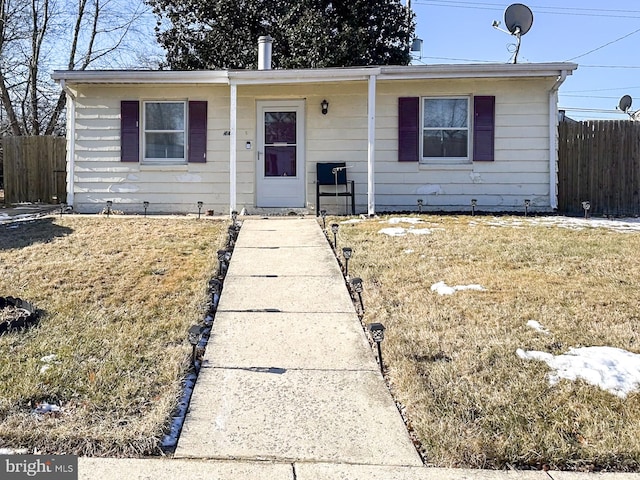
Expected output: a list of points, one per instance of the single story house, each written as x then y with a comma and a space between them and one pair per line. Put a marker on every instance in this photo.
443, 135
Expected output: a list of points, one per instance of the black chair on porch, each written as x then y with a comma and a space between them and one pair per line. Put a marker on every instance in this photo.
334, 174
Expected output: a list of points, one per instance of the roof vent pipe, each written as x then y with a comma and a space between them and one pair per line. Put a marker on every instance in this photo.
264, 52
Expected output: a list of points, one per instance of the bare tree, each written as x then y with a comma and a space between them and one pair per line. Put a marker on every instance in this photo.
37, 36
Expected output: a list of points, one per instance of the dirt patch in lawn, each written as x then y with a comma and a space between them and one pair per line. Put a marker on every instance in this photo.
109, 352
499, 285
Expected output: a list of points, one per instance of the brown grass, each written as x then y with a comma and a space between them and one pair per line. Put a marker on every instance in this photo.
451, 359
118, 296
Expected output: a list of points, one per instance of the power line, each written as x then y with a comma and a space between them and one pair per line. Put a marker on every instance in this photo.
611, 66
600, 89
461, 59
586, 96
597, 110
565, 11
605, 45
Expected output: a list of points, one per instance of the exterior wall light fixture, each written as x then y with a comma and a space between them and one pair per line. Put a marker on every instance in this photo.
325, 106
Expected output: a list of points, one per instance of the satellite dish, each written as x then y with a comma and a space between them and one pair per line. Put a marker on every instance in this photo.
518, 19
625, 103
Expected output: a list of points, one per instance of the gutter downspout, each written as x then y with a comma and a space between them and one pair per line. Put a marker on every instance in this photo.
71, 137
233, 148
553, 140
371, 147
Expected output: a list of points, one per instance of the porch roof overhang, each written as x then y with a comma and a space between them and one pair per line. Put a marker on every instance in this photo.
346, 74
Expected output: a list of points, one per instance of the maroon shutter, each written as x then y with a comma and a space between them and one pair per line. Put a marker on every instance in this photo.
483, 128
129, 131
408, 126
197, 132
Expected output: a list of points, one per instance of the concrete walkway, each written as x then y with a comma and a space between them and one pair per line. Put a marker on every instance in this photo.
289, 388
288, 374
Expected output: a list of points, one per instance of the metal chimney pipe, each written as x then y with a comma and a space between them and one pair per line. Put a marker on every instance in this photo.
264, 52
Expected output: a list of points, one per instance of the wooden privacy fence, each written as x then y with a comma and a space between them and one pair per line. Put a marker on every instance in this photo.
34, 169
599, 162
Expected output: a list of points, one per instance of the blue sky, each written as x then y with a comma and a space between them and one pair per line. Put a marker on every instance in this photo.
586, 32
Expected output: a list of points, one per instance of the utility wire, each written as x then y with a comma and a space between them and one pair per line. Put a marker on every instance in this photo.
600, 89
605, 45
610, 66
596, 12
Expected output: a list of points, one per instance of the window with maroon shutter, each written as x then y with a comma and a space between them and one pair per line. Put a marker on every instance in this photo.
129, 131
483, 128
198, 131
408, 129
165, 133
445, 129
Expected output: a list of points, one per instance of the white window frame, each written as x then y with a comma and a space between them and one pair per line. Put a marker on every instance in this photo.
184, 131
468, 128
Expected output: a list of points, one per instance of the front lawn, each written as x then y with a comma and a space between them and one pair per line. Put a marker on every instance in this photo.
524, 285
118, 296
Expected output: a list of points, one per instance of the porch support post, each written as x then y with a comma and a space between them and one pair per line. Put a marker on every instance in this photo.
233, 153
371, 150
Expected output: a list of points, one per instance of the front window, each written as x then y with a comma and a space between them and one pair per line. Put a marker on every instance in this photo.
164, 132
445, 129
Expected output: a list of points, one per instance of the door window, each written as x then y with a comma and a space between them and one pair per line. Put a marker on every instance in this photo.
280, 144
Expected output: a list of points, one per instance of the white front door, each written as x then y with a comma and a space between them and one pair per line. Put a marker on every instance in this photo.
281, 164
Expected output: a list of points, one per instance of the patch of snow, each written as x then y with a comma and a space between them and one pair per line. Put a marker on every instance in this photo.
353, 220
397, 220
408, 251
13, 451
623, 225
612, 369
401, 232
442, 288
394, 231
537, 326
44, 408
48, 360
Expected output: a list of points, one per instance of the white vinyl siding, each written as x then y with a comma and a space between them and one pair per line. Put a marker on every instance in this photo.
520, 168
